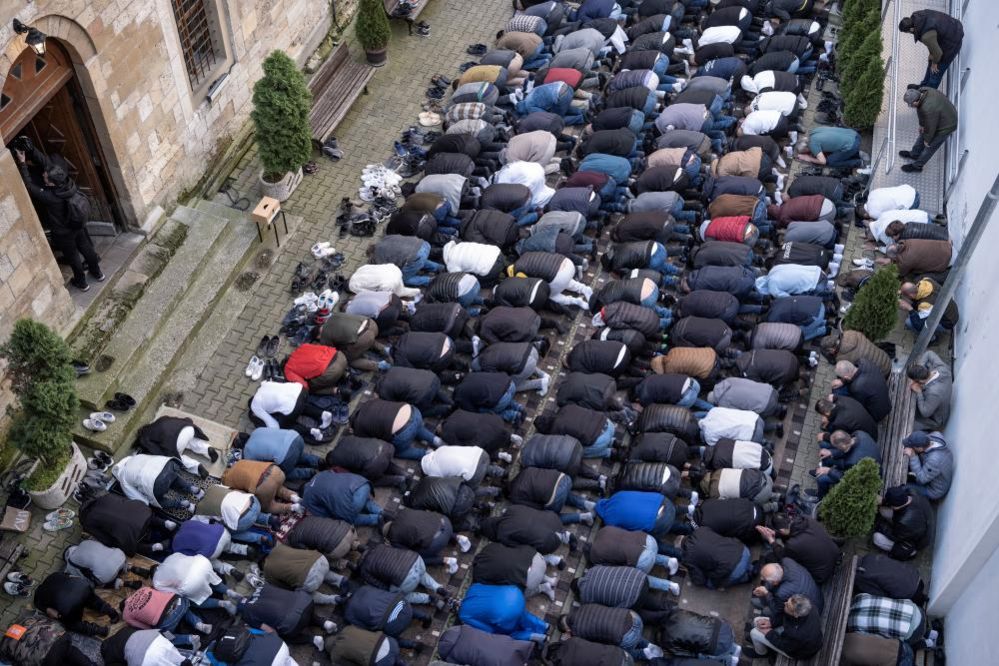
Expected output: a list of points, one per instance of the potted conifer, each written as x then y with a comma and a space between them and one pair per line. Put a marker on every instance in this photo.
41, 374
875, 307
852, 504
281, 104
373, 31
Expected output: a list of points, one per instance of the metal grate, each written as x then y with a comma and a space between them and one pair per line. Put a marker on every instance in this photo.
195, 39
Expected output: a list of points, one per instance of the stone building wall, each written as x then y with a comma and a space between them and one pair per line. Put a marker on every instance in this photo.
157, 134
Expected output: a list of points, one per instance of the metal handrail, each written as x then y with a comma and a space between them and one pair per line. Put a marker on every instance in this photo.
893, 101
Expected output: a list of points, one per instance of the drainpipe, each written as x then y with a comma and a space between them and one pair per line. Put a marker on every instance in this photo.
956, 272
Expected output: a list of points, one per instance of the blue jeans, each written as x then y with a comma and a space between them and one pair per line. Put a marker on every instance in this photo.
254, 516
658, 262
689, 398
915, 202
846, 158
718, 124
525, 215
650, 556
652, 302
444, 217
916, 323
563, 496
297, 464
683, 215
666, 523
931, 80
740, 574
693, 170
411, 432
601, 447
366, 509
817, 327
632, 641
182, 611
507, 407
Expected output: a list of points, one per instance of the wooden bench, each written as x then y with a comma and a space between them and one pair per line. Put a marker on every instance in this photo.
838, 593
335, 86
898, 425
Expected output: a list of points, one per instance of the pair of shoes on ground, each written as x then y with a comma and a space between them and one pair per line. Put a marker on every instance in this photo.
98, 422
101, 460
121, 402
83, 285
18, 584
266, 369
59, 519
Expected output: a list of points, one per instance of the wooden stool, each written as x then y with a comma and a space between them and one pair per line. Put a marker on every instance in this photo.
264, 213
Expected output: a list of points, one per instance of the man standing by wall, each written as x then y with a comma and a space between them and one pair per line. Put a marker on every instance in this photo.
942, 36
937, 121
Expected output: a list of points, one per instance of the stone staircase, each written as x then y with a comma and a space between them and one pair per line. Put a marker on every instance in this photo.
167, 317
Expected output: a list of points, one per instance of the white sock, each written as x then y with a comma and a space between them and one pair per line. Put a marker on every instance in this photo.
452, 565
793, 136
672, 565
516, 441
203, 628
327, 420
170, 525
329, 626
549, 591
316, 433
505, 457
318, 642
674, 589
156, 547
652, 651
586, 518
464, 543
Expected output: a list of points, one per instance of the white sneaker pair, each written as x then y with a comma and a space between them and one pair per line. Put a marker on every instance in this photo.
255, 368
327, 300
323, 249
309, 299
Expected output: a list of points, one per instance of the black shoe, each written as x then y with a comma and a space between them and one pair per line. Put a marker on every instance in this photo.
82, 285
911, 168
273, 344
81, 368
477, 50
262, 346
906, 154
98, 275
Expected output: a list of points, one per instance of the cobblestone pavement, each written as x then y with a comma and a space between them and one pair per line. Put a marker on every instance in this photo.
365, 135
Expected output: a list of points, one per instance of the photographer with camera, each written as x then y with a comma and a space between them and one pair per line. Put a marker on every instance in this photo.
62, 209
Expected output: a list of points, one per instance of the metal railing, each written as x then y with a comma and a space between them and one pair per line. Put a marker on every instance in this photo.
893, 100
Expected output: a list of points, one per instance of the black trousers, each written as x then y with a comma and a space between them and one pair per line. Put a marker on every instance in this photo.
74, 244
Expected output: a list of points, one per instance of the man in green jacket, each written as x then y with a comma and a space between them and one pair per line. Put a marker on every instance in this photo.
937, 121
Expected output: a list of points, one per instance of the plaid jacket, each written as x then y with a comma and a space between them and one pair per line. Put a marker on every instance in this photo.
890, 618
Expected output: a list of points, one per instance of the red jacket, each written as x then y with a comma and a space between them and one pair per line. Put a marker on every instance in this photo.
570, 77
797, 209
732, 229
307, 362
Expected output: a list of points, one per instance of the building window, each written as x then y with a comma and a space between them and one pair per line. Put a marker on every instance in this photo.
195, 23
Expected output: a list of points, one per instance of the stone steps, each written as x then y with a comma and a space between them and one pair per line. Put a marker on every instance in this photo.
157, 301
169, 316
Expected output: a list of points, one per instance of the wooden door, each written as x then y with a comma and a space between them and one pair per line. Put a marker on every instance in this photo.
41, 100
56, 130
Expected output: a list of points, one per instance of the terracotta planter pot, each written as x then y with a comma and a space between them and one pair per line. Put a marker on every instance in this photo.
376, 57
60, 491
282, 189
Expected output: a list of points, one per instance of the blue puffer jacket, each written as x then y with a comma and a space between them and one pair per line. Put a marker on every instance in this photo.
500, 609
194, 537
332, 495
630, 509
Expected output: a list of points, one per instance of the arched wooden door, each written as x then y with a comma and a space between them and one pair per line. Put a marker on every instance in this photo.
41, 100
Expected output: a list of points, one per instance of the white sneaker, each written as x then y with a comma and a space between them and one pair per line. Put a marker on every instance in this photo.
864, 262
586, 518
673, 565
251, 366
464, 543
451, 564
545, 381
792, 137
